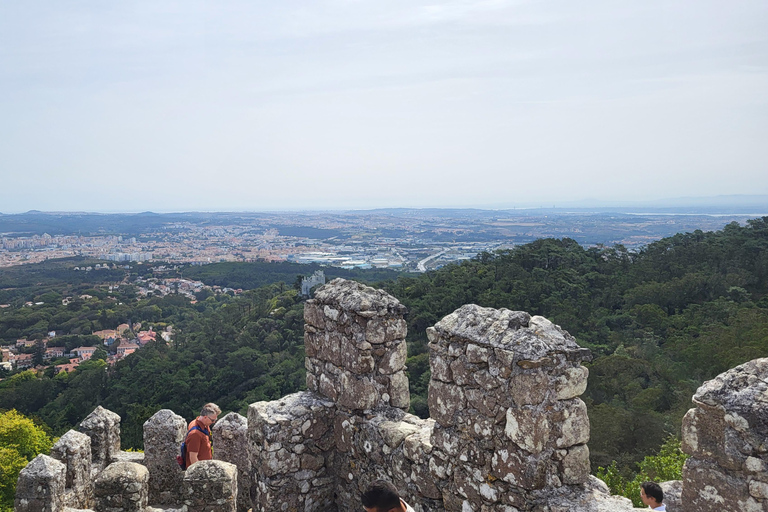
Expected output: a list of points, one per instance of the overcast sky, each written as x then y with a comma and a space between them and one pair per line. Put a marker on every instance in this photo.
255, 105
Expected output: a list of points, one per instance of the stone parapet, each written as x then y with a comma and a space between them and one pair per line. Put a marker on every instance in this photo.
231, 434
725, 435
392, 445
291, 442
103, 427
354, 338
74, 450
503, 394
122, 487
41, 486
163, 434
210, 486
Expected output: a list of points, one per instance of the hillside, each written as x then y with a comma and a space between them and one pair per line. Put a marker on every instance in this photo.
659, 322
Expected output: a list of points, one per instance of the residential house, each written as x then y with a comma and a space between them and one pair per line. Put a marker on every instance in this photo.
22, 360
108, 335
84, 353
53, 353
25, 343
145, 337
6, 355
66, 367
122, 328
126, 348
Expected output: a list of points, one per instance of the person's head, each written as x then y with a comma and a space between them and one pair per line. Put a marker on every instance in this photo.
651, 494
209, 414
382, 496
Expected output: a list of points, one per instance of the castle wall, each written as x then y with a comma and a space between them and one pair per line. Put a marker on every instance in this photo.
726, 435
231, 445
210, 486
508, 431
503, 395
291, 442
73, 449
163, 434
103, 427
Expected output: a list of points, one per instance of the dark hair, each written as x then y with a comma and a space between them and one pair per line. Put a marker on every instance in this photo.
653, 490
381, 495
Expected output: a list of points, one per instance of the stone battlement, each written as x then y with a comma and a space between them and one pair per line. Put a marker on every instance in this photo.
508, 431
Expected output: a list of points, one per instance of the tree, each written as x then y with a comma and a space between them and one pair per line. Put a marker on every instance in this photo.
20, 442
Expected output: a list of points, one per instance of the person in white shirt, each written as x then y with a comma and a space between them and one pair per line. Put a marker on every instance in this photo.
382, 496
652, 495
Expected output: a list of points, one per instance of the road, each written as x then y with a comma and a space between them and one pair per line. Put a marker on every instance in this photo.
421, 266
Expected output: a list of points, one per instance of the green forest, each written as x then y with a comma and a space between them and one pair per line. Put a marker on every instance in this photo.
659, 322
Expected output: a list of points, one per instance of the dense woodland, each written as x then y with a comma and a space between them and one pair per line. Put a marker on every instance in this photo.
659, 322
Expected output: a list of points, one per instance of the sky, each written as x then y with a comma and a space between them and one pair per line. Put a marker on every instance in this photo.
335, 104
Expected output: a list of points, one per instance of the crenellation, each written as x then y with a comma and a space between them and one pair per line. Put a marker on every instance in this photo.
163, 434
508, 431
73, 449
231, 434
725, 435
103, 427
41, 486
291, 445
122, 487
210, 486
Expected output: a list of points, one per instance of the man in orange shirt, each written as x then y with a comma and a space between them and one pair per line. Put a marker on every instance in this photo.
199, 434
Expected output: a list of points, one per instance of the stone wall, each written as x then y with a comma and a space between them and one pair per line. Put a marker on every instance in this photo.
40, 487
726, 435
354, 338
103, 427
504, 394
507, 424
231, 435
508, 431
210, 486
163, 434
291, 445
74, 478
74, 450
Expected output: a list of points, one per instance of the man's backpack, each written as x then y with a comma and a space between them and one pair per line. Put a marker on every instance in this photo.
182, 458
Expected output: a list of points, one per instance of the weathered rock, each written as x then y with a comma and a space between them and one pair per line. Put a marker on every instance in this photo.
503, 395
358, 298
673, 490
508, 431
122, 487
592, 496
290, 444
74, 450
103, 427
356, 347
231, 434
41, 485
210, 486
163, 434
725, 435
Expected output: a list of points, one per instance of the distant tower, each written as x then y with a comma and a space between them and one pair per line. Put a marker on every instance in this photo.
308, 282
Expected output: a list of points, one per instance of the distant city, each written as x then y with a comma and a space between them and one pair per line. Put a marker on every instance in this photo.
403, 239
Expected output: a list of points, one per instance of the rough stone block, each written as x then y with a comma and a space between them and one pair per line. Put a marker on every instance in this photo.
163, 434
40, 487
211, 486
122, 487
74, 450
231, 434
103, 427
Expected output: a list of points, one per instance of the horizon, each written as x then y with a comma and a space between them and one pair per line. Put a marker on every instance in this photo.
720, 201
